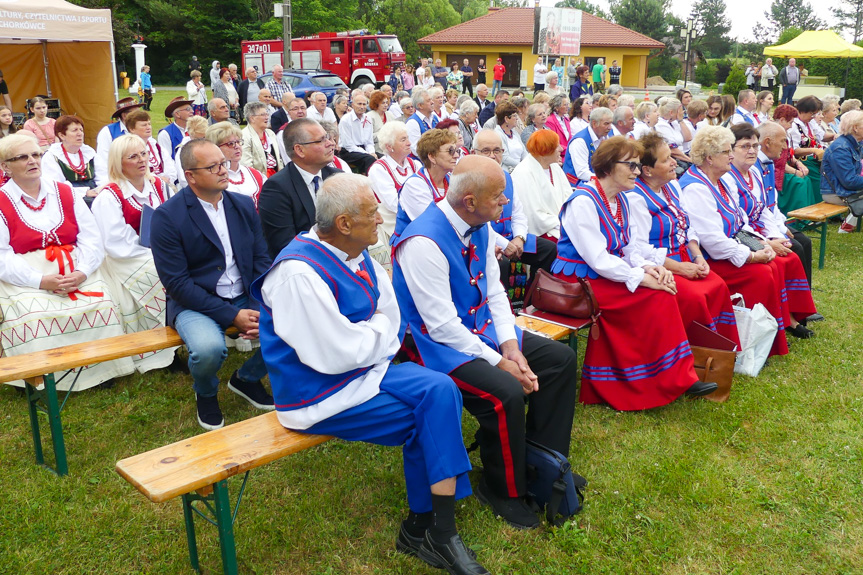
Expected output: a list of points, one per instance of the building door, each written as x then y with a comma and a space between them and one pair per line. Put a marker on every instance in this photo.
512, 63
473, 62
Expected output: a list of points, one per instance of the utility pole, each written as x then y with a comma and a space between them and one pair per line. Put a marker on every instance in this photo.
283, 11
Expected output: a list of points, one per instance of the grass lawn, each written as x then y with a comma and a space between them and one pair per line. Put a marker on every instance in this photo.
768, 483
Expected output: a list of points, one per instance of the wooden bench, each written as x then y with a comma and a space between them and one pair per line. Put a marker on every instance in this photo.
38, 368
815, 217
552, 330
197, 469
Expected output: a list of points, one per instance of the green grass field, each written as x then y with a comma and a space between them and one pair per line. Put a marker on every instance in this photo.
768, 483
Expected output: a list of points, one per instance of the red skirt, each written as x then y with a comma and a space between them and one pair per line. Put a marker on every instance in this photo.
796, 296
758, 283
708, 302
642, 358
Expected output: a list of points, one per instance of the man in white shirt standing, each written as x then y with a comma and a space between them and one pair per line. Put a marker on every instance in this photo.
746, 102
446, 278
330, 326
356, 136
539, 72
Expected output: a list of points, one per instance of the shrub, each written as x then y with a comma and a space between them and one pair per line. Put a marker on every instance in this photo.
735, 82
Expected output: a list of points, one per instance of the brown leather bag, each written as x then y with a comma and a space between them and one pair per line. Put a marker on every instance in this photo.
554, 295
716, 366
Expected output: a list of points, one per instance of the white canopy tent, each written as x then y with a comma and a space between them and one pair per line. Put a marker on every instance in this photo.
61, 50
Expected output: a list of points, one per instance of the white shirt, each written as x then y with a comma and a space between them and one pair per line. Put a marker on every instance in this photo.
671, 134
413, 129
307, 317
164, 139
243, 182
327, 116
54, 156
699, 204
89, 252
539, 72
426, 272
640, 220
119, 238
513, 149
687, 146
740, 115
541, 199
386, 188
309, 178
416, 195
518, 222
773, 228
178, 167
577, 150
356, 134
230, 284
103, 145
580, 219
395, 110
577, 124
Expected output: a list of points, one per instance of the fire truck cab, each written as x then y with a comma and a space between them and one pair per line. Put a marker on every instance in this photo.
356, 56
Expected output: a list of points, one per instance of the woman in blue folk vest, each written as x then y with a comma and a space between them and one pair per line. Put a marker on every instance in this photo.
717, 218
641, 357
658, 219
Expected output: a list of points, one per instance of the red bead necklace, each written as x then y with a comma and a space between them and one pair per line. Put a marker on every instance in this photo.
242, 178
35, 208
80, 170
618, 216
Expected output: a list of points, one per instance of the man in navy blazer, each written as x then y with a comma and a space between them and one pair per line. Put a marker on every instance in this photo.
208, 248
287, 201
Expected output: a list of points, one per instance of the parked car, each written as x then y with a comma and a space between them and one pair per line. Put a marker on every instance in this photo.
303, 81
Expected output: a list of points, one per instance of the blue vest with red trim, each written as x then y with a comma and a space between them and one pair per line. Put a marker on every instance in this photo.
468, 285
751, 201
424, 126
728, 210
295, 384
116, 129
176, 135
768, 178
568, 168
668, 221
503, 225
569, 262
402, 218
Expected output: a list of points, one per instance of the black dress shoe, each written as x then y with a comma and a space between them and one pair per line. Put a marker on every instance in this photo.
410, 545
514, 510
700, 388
453, 556
800, 331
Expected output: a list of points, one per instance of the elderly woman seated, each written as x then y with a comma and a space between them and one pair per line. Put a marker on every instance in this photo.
129, 268
513, 148
658, 219
641, 356
51, 290
537, 114
841, 165
668, 126
711, 203
260, 148
241, 179
71, 160
160, 162
541, 184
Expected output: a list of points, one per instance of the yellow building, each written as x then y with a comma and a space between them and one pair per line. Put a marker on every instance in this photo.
507, 33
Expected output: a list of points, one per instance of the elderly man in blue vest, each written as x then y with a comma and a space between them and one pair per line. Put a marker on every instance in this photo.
746, 103
179, 110
579, 150
513, 241
330, 326
446, 278
422, 120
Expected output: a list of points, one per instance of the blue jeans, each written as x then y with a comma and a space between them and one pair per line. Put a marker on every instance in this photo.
205, 340
788, 94
495, 86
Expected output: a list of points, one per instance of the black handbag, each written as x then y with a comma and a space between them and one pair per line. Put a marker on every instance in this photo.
748, 239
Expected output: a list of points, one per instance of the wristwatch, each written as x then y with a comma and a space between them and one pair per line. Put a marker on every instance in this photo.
522, 238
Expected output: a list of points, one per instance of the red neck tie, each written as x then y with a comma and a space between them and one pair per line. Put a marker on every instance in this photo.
365, 275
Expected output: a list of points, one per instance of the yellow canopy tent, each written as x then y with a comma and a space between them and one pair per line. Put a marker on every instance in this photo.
816, 44
59, 49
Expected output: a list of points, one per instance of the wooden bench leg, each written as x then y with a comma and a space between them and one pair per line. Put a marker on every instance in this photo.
51, 407
822, 249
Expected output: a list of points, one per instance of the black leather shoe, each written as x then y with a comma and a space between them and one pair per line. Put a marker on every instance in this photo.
514, 510
800, 331
700, 388
410, 545
453, 556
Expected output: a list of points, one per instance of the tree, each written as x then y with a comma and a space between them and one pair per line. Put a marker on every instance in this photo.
412, 20
312, 16
644, 16
474, 9
586, 6
784, 14
714, 40
735, 82
705, 73
849, 13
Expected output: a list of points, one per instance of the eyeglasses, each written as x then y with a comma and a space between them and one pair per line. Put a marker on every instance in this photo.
34, 155
321, 141
748, 147
139, 156
633, 166
491, 151
452, 151
232, 144
214, 169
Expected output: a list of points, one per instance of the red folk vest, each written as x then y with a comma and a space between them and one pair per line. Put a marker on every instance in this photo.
24, 239
131, 208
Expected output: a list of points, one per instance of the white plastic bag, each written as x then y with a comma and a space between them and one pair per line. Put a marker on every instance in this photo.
757, 330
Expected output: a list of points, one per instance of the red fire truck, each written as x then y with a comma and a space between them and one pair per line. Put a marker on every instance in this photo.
356, 56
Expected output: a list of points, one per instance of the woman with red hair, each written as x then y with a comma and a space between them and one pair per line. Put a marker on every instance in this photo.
794, 188
541, 184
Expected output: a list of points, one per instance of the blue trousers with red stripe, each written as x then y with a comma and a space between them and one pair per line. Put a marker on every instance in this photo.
421, 410
497, 401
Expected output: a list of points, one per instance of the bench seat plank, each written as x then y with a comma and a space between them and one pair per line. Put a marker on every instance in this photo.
551, 330
34, 364
818, 212
194, 463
